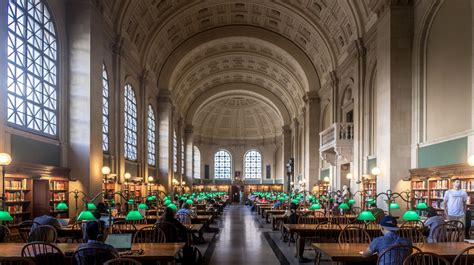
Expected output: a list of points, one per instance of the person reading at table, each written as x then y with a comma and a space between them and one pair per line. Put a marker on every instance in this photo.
432, 222
388, 226
377, 212
169, 216
455, 202
93, 232
45, 220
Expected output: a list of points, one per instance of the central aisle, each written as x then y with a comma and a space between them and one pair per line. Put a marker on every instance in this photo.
240, 240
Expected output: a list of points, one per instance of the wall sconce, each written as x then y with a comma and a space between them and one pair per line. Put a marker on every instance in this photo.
127, 176
150, 178
470, 160
375, 171
326, 179
105, 170
349, 176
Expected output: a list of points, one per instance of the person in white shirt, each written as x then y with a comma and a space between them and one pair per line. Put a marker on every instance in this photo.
455, 202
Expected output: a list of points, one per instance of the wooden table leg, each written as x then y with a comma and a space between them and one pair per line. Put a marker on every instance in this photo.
300, 247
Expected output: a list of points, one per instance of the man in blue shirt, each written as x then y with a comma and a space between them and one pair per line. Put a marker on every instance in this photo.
388, 225
93, 233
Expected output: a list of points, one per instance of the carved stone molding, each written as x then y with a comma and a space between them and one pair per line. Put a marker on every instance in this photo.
380, 6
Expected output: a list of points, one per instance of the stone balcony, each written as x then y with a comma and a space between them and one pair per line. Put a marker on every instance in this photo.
337, 143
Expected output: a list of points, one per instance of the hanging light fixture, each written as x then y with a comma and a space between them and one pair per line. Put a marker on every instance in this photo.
375, 171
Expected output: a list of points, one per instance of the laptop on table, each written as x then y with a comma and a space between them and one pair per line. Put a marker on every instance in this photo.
121, 242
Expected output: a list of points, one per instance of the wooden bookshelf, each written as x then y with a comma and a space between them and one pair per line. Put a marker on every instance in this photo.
369, 189
18, 197
323, 188
58, 188
437, 180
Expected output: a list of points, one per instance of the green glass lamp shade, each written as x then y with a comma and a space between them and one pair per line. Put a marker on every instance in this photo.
421, 206
134, 215
61, 206
351, 201
331, 199
394, 205
295, 201
172, 206
142, 206
91, 206
166, 202
5, 216
410, 216
344, 206
370, 201
86, 216
151, 198
189, 201
323, 197
315, 206
131, 201
366, 216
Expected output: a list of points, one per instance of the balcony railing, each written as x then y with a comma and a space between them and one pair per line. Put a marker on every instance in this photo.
341, 133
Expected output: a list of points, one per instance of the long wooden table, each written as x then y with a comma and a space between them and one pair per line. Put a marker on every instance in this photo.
152, 252
350, 253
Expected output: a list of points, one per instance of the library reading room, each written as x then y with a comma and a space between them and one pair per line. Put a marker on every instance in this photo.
229, 132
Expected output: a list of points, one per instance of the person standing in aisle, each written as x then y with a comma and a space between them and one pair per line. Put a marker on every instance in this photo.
455, 202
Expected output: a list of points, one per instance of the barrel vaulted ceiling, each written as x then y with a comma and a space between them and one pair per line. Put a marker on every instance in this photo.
194, 46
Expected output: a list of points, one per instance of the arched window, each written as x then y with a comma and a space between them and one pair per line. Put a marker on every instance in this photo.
130, 123
253, 164
197, 163
105, 110
32, 72
175, 152
222, 165
151, 136
182, 156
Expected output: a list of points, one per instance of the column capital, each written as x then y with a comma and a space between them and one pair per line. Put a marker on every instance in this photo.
164, 96
311, 97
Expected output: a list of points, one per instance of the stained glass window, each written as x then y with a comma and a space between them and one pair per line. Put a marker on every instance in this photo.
32, 80
253, 165
151, 136
130, 123
222, 165
175, 152
197, 163
105, 110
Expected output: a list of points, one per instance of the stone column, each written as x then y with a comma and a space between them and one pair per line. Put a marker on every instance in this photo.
286, 151
312, 116
189, 145
165, 139
394, 61
84, 27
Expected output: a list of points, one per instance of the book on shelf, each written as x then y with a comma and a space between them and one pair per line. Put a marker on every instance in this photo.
61, 196
15, 208
419, 185
57, 185
467, 185
439, 184
16, 184
437, 194
15, 196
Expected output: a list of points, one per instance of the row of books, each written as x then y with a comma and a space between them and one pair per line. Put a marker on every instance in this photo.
16, 184
419, 185
420, 194
15, 208
439, 184
15, 196
467, 185
437, 194
57, 185
60, 196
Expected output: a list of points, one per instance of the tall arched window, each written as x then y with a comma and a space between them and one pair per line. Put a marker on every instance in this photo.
105, 110
151, 136
197, 163
130, 123
222, 164
32, 79
253, 164
175, 152
182, 156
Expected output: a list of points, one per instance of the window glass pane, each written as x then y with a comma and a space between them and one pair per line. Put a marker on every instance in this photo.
175, 152
130, 124
105, 110
151, 137
32, 101
222, 165
253, 164
197, 163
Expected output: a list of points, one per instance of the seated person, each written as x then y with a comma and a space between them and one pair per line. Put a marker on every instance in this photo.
376, 211
277, 204
45, 220
291, 215
432, 222
92, 233
169, 216
388, 226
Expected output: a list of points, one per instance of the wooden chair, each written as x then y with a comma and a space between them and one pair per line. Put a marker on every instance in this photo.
149, 234
76, 234
16, 261
425, 258
170, 231
122, 261
456, 223
4, 234
93, 256
24, 229
43, 233
448, 233
353, 234
465, 257
413, 224
413, 234
307, 220
318, 214
43, 253
122, 226
396, 255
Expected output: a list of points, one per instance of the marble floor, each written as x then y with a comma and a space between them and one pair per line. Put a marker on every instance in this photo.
245, 238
